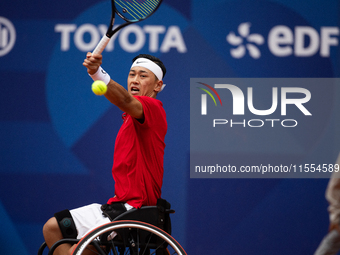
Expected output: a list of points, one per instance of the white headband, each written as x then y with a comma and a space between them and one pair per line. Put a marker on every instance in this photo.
152, 66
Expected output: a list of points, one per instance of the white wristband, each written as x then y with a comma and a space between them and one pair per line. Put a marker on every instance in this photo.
101, 75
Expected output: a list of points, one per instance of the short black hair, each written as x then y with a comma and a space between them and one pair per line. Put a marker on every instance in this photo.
153, 59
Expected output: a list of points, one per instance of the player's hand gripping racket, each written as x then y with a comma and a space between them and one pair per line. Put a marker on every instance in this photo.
131, 11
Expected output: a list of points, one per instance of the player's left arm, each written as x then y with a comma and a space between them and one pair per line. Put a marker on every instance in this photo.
116, 93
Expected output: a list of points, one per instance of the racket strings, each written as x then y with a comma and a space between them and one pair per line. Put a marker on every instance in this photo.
141, 8
137, 9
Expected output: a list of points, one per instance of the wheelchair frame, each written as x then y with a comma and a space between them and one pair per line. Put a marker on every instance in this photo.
145, 229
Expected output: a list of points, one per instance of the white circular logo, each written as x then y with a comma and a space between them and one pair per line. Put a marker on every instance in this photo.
7, 36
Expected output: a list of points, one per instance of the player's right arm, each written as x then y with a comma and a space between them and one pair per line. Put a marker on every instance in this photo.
116, 93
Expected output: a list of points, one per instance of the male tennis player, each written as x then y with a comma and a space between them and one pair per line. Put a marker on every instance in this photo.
138, 155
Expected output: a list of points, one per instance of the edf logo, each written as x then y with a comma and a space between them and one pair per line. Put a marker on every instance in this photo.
7, 36
302, 41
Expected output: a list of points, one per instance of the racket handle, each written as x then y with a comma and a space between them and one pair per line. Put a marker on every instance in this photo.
101, 45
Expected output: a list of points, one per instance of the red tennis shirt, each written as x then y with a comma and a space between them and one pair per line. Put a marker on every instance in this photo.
138, 156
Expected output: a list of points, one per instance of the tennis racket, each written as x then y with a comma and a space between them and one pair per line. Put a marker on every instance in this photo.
131, 11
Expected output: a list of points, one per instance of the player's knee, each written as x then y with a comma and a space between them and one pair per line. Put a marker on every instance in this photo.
66, 224
51, 227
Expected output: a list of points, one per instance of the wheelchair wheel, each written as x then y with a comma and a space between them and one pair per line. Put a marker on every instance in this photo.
132, 237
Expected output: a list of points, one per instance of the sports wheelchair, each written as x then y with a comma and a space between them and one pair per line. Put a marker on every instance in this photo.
138, 231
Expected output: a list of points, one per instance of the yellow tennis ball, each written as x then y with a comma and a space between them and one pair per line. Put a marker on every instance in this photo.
99, 88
